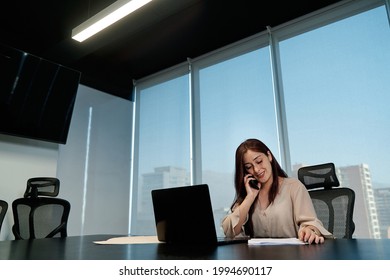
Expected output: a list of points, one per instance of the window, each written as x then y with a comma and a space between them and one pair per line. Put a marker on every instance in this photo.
236, 103
162, 147
332, 69
336, 92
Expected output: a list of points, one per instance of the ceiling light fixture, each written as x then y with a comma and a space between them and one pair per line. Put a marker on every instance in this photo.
106, 17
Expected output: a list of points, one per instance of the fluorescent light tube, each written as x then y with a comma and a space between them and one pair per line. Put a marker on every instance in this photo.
106, 17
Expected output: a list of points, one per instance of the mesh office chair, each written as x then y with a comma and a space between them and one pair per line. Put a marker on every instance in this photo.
39, 214
3, 211
334, 205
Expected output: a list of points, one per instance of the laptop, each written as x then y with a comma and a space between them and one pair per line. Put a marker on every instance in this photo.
184, 215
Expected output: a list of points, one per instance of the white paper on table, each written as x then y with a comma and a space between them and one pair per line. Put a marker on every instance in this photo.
275, 241
130, 240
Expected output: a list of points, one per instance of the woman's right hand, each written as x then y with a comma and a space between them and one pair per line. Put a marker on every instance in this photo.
249, 190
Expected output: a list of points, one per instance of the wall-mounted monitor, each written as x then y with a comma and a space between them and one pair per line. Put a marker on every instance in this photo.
37, 96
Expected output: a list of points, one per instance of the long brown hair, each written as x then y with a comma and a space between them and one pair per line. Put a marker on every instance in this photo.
256, 146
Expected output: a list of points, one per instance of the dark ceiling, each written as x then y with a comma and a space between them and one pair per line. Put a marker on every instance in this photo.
161, 34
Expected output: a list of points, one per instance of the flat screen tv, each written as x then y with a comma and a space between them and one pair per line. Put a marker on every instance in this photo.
37, 96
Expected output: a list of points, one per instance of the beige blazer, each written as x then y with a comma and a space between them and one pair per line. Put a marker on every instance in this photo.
291, 210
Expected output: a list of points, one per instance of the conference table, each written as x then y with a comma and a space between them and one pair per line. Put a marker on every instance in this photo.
84, 248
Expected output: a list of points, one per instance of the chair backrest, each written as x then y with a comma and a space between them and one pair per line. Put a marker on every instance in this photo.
41, 217
3, 211
39, 214
334, 205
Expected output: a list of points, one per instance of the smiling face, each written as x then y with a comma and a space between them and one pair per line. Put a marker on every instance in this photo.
259, 165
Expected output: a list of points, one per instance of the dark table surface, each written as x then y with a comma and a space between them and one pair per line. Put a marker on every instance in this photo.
83, 248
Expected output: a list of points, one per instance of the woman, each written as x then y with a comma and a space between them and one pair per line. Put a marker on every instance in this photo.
277, 207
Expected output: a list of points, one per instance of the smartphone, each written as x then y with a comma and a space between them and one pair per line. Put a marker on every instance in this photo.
253, 183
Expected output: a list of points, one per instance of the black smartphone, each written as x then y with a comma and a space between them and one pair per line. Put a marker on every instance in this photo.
253, 183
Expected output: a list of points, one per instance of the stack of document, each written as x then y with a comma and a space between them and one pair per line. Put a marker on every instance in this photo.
275, 241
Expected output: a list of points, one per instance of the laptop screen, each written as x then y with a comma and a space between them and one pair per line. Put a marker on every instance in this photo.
184, 215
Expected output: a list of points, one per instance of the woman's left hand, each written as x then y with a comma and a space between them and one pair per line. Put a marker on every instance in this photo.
308, 235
